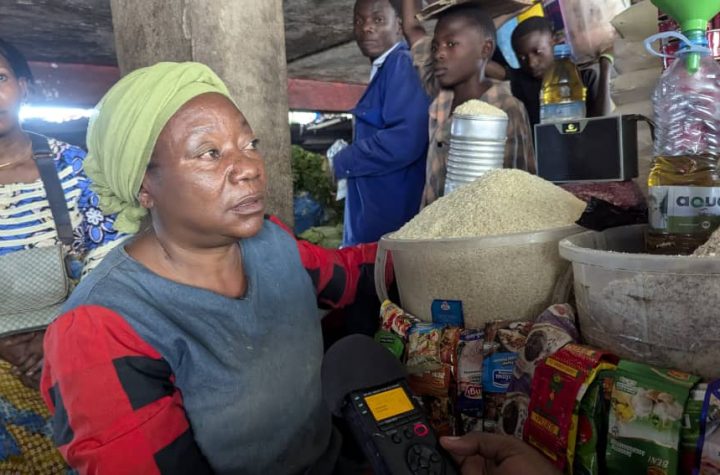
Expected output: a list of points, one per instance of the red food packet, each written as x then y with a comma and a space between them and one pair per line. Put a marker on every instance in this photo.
396, 320
559, 384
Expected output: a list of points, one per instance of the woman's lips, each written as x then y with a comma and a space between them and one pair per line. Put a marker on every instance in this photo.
252, 204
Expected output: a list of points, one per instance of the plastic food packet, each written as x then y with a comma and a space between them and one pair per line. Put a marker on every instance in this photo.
392, 342
601, 215
559, 386
592, 426
690, 432
396, 320
440, 414
469, 374
514, 413
645, 419
503, 341
424, 347
709, 442
431, 354
552, 330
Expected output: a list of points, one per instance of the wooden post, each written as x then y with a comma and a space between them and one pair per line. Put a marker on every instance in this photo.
243, 41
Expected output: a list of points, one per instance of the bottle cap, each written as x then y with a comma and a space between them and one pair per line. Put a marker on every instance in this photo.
562, 50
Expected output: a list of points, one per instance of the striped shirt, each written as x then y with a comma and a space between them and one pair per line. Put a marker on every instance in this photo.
518, 147
26, 220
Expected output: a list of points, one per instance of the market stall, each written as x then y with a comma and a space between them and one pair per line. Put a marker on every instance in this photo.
578, 326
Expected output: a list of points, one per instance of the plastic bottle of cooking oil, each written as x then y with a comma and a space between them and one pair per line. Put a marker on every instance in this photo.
562, 96
684, 182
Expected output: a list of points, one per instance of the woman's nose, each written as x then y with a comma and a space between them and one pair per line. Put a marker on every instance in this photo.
246, 166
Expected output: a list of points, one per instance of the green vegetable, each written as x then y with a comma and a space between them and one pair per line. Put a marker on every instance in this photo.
325, 236
311, 174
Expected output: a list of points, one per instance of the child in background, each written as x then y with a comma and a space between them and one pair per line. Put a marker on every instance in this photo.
532, 41
452, 68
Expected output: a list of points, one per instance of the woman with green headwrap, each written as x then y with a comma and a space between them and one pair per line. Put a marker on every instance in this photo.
195, 348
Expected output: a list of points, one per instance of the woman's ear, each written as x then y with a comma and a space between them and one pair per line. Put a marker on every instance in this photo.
145, 197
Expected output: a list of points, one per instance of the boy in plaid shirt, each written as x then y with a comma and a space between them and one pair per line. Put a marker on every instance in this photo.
451, 66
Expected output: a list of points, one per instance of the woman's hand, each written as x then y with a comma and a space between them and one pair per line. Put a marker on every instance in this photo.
25, 353
478, 453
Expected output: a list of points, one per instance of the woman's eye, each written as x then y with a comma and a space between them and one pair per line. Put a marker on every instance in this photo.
379, 20
212, 154
3, 77
253, 145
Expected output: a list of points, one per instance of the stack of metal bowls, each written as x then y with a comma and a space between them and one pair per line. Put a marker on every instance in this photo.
477, 145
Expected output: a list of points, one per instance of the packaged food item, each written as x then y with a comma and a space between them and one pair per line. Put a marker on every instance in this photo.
424, 347
690, 431
440, 414
552, 330
560, 383
645, 419
431, 357
396, 320
448, 312
503, 341
592, 426
497, 372
709, 442
514, 413
470, 373
392, 342
507, 336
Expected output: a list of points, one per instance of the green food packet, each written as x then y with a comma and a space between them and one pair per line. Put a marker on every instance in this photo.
646, 417
690, 433
392, 342
592, 426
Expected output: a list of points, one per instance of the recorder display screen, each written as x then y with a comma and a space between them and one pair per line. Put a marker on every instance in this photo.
389, 404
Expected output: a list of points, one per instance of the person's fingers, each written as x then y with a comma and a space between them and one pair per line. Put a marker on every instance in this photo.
33, 367
28, 360
489, 446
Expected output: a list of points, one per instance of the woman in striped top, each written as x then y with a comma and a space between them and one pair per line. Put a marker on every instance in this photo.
26, 222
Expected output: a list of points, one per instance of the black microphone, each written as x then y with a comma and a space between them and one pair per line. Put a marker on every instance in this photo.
366, 385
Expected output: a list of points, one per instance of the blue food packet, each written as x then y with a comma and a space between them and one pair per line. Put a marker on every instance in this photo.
497, 372
448, 312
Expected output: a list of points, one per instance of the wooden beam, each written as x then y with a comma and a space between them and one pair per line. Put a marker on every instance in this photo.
71, 85
306, 94
82, 85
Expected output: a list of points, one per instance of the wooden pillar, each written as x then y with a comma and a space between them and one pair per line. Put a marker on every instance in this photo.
243, 41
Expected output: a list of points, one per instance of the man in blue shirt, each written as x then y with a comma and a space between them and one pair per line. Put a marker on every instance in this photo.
385, 165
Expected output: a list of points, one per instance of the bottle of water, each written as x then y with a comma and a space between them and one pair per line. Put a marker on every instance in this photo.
684, 181
562, 96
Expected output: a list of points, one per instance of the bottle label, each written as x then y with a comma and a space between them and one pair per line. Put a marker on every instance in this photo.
562, 112
684, 209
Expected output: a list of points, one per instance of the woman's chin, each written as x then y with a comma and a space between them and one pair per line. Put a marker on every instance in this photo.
250, 227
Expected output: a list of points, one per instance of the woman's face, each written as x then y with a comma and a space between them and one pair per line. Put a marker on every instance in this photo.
12, 93
206, 181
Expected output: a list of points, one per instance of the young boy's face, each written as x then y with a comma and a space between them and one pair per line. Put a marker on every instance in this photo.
535, 53
377, 27
460, 51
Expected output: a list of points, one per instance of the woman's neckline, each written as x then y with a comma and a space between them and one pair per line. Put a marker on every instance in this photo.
249, 292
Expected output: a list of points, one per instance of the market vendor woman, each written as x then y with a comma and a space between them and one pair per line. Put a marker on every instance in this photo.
196, 347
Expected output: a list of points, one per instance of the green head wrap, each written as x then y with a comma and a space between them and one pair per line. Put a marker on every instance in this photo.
125, 126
